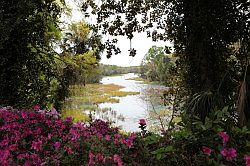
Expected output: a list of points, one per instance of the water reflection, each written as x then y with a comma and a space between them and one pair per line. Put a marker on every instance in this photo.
133, 107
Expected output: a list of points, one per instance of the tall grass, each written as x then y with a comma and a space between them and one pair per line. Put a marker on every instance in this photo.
87, 98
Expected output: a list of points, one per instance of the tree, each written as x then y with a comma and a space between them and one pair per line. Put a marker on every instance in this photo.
81, 38
202, 31
81, 47
156, 65
27, 31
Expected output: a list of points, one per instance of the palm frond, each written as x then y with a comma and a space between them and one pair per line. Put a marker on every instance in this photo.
203, 103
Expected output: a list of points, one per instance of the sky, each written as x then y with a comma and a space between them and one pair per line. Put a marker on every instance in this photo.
140, 43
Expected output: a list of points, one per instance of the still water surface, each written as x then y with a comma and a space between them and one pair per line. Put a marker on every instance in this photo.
132, 107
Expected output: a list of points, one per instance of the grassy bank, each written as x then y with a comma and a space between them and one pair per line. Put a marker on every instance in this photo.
143, 81
114, 75
88, 97
98, 93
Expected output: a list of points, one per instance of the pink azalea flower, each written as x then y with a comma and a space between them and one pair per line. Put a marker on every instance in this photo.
4, 154
24, 115
228, 153
57, 145
68, 119
27, 163
36, 107
50, 136
116, 141
4, 142
53, 113
69, 150
142, 122
13, 147
224, 136
36, 145
206, 150
91, 159
129, 143
117, 135
99, 157
42, 111
122, 141
132, 136
23, 156
117, 160
247, 159
107, 137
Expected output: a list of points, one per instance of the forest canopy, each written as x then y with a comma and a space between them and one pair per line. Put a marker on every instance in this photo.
206, 98
209, 37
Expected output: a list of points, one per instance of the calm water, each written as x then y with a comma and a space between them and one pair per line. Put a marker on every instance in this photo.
132, 107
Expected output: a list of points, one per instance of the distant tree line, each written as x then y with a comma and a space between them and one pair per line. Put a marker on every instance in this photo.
108, 70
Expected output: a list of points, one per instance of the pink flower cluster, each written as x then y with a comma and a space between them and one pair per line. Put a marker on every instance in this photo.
142, 122
247, 159
224, 136
228, 153
38, 137
206, 150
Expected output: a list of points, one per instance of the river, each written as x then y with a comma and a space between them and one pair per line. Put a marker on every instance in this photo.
132, 107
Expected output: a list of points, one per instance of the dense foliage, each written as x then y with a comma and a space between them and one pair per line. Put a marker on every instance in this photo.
27, 67
157, 66
204, 36
209, 37
31, 70
81, 47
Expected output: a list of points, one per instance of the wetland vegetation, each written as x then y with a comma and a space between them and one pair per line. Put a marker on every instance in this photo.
51, 71
88, 97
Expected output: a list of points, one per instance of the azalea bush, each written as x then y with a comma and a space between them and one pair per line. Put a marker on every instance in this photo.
224, 152
217, 141
220, 141
41, 137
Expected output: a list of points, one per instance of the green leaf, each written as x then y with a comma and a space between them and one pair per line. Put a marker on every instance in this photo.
169, 149
225, 109
203, 127
158, 151
159, 156
152, 139
248, 144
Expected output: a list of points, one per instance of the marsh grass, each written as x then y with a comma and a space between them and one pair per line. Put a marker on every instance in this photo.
115, 75
142, 80
136, 79
78, 115
87, 98
122, 93
98, 93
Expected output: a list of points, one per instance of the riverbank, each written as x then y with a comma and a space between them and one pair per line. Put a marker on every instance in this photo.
121, 99
143, 81
87, 98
